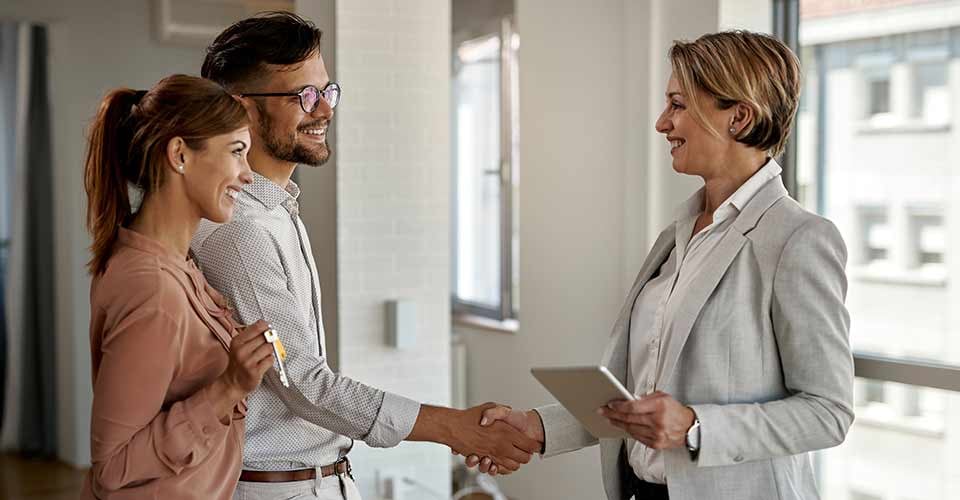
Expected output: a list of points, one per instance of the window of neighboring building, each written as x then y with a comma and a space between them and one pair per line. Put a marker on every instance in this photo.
928, 238
875, 235
931, 95
878, 92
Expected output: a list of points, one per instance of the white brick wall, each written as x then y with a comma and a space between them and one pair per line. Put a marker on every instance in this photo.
393, 192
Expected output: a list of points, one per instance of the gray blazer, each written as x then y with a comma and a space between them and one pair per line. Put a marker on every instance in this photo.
761, 354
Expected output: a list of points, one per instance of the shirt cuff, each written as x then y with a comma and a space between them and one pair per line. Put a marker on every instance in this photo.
394, 422
188, 449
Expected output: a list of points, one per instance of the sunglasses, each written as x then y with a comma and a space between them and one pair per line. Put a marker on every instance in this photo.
309, 96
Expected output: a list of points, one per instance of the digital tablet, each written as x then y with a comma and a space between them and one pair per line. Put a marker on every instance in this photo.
582, 390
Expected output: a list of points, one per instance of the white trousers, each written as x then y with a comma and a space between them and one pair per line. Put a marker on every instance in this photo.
327, 489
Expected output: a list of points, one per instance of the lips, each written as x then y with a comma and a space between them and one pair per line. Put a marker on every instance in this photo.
233, 193
675, 143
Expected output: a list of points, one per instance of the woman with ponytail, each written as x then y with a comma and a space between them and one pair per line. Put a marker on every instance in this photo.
170, 367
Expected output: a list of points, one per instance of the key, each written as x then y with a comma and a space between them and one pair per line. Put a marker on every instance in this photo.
279, 353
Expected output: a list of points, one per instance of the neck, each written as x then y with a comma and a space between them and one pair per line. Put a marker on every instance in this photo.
263, 163
167, 219
734, 173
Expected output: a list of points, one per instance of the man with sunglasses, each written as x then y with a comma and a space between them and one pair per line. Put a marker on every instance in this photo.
298, 437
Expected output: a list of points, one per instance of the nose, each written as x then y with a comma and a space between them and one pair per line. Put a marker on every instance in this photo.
323, 110
246, 175
663, 124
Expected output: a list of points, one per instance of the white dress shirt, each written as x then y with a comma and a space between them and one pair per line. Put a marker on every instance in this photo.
655, 308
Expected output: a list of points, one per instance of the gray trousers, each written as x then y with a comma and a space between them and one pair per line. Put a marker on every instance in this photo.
328, 488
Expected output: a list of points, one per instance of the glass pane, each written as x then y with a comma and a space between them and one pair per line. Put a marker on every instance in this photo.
899, 447
931, 94
877, 153
477, 108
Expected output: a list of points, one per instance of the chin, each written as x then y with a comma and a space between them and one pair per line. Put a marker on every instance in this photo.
220, 216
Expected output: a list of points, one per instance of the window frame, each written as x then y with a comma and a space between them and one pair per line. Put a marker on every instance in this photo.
505, 311
904, 370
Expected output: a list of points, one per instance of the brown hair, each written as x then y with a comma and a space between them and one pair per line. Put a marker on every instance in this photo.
742, 67
128, 141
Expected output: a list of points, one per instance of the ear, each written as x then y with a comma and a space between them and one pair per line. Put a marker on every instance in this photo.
743, 116
177, 154
249, 104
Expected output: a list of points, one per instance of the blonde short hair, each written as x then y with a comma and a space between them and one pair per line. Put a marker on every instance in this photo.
742, 67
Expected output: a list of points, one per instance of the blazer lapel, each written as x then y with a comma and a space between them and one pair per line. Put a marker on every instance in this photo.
618, 350
703, 285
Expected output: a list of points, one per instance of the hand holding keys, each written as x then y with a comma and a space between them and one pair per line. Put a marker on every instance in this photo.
279, 353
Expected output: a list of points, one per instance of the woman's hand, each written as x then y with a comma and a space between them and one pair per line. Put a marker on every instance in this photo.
250, 357
656, 420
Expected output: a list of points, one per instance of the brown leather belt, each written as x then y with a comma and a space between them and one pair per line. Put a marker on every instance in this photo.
342, 466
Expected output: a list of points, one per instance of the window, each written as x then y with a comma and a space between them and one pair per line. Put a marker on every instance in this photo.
878, 90
928, 239
875, 154
485, 232
875, 236
931, 94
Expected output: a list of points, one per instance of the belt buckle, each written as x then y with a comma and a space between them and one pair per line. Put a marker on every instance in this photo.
349, 467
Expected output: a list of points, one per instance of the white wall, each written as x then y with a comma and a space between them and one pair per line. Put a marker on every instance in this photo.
94, 46
393, 189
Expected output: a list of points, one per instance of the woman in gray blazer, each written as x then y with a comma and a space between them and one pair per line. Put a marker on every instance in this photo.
734, 336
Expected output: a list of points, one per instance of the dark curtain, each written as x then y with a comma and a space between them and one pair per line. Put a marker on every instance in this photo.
38, 422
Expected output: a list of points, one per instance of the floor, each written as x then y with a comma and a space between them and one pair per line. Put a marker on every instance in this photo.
23, 479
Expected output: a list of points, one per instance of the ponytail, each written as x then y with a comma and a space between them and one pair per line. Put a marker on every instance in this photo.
105, 178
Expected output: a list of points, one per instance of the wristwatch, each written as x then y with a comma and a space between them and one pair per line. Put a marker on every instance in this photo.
693, 438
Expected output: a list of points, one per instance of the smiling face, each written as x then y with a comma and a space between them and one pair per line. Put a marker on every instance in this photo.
283, 129
695, 149
214, 174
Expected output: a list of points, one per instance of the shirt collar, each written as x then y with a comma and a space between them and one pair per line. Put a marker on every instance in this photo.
270, 194
130, 238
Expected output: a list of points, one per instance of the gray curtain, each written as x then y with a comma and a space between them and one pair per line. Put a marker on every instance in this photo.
38, 422
27, 351
8, 114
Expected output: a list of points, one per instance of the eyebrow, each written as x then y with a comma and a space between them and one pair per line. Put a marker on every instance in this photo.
238, 142
671, 94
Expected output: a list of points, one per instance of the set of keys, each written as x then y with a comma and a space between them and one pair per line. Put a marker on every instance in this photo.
279, 353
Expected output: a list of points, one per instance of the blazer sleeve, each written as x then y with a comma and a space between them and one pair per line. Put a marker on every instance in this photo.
562, 431
811, 326
135, 436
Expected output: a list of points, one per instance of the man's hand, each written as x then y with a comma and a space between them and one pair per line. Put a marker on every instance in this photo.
462, 432
528, 423
656, 420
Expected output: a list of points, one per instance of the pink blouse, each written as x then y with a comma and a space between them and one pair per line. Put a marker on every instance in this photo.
159, 334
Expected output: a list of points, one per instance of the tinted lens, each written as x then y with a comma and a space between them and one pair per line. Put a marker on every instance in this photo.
331, 94
309, 97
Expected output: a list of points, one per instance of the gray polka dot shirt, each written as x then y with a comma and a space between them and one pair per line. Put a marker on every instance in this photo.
262, 262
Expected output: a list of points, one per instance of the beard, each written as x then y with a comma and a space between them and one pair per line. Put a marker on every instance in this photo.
286, 148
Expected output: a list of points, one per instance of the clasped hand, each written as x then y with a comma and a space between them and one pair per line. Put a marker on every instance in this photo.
506, 446
657, 420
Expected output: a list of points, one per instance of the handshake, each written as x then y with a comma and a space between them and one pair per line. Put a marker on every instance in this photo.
498, 438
